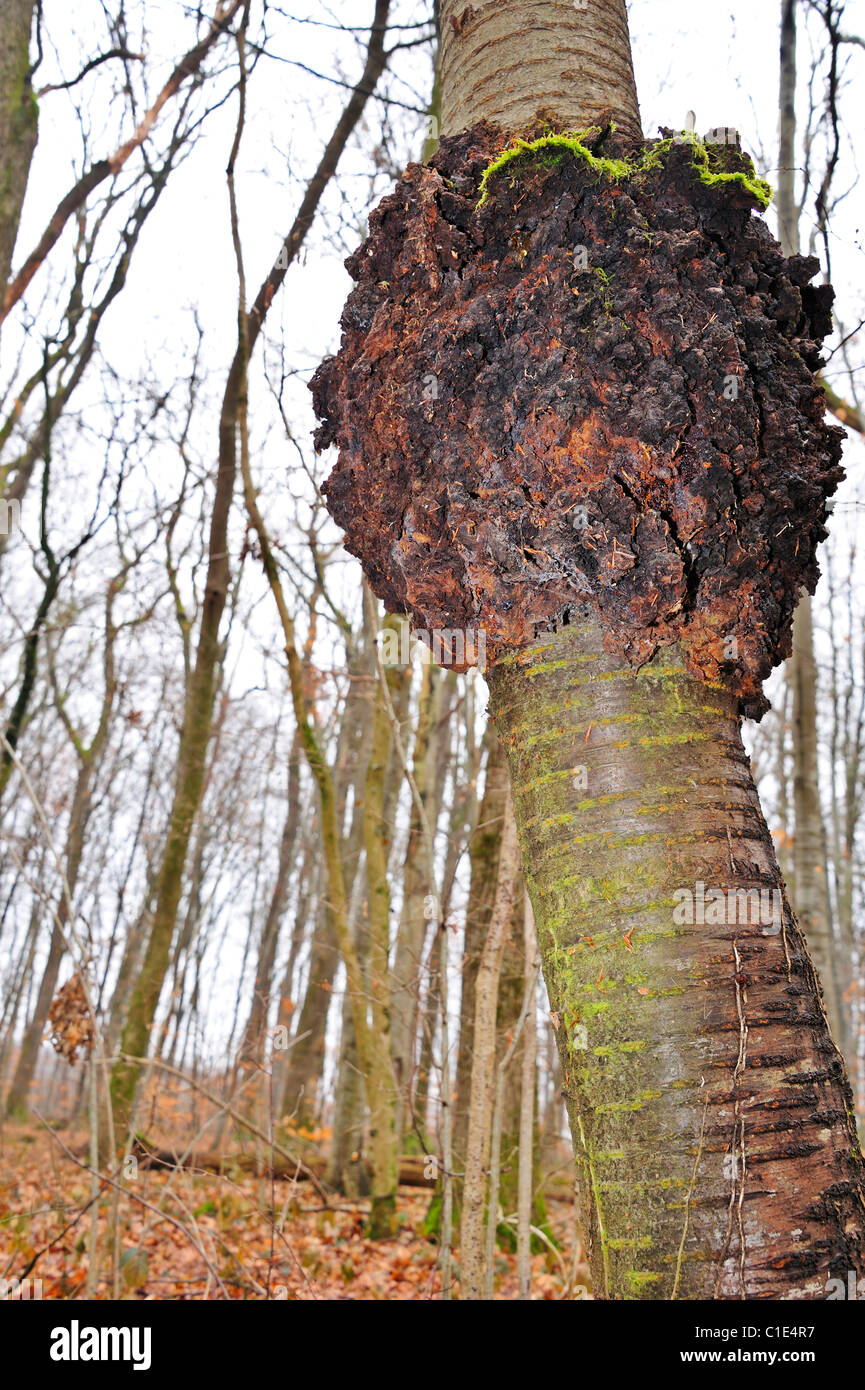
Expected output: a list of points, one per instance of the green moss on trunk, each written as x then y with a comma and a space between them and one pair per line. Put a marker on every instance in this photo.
549, 150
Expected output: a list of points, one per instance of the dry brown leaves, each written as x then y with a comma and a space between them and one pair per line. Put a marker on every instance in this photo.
70, 1020
259, 1241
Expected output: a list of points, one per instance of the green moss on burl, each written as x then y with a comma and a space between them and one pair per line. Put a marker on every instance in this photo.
549, 150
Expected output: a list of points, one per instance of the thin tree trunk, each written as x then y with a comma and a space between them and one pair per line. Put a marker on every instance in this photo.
484, 852
416, 889
306, 1060
811, 889
306, 881
376, 839
515, 1147
512, 991
12, 1004
195, 735
89, 760
528, 1125
347, 1170
252, 1044
18, 123
781, 775
785, 197
483, 1065
810, 879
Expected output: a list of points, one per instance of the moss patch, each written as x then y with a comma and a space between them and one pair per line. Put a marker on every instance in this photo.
549, 150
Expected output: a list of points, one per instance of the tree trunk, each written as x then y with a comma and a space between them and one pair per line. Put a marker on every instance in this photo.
348, 1170
306, 1059
195, 735
416, 888
15, 993
710, 1112
515, 1102
305, 896
511, 63
252, 1045
811, 891
529, 1132
18, 123
89, 761
483, 1064
380, 1081
484, 851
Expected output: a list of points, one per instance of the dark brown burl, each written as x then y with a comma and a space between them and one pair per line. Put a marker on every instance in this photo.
586, 389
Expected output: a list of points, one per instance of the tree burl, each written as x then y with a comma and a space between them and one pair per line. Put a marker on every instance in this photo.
588, 377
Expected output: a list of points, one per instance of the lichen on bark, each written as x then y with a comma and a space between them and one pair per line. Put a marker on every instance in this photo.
571, 382
713, 1126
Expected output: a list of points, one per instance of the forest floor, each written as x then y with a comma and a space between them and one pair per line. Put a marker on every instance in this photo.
201, 1235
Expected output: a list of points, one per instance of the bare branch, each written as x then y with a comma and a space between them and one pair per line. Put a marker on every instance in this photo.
105, 168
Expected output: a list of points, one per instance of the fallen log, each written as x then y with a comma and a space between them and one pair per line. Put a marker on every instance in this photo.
412, 1168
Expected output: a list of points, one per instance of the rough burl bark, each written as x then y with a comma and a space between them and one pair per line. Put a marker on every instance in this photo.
585, 387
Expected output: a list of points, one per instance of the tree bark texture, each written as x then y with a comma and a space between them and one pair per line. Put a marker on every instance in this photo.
514, 62
711, 1116
18, 123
